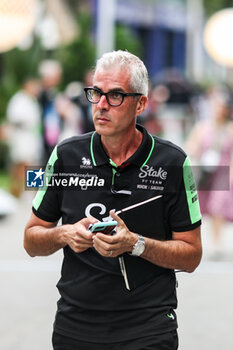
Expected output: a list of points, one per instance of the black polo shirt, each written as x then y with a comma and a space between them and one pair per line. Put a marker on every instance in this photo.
156, 190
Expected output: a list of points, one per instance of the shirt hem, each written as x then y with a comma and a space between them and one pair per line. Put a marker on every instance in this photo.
117, 338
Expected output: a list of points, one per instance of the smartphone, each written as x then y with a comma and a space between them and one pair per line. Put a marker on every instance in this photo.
106, 227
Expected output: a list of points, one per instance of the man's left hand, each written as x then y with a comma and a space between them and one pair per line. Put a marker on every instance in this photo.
117, 244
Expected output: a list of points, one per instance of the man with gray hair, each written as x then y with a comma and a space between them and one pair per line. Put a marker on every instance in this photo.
117, 290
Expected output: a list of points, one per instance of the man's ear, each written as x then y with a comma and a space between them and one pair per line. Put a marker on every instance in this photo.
141, 104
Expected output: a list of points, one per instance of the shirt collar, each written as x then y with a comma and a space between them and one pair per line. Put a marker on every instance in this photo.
139, 158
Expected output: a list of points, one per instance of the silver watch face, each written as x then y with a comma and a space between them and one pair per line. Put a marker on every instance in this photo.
139, 247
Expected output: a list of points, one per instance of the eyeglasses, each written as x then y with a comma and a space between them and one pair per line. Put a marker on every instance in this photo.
114, 98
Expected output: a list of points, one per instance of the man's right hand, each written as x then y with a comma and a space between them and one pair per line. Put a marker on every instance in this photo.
44, 238
78, 237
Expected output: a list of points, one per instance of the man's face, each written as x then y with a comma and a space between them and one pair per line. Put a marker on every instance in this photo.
109, 120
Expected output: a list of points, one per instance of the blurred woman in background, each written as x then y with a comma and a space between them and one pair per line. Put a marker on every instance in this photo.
210, 145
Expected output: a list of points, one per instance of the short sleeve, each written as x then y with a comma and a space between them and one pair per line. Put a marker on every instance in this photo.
185, 212
46, 202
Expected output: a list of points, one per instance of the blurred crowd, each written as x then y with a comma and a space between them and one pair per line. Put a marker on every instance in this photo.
39, 116
199, 120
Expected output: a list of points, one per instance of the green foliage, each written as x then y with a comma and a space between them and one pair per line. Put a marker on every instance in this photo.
212, 6
78, 56
4, 155
4, 180
126, 39
23, 62
16, 66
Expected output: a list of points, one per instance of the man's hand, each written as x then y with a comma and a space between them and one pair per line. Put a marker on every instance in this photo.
78, 237
44, 238
183, 252
112, 246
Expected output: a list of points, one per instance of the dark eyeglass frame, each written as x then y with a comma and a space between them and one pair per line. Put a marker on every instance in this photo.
123, 94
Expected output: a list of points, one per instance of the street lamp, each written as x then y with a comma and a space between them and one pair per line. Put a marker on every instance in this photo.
17, 19
218, 37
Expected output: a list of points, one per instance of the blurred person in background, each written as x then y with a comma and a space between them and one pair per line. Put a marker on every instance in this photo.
88, 124
210, 145
70, 112
118, 291
149, 118
51, 74
175, 113
24, 133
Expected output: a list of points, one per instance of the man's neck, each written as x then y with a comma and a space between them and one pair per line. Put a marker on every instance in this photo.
121, 148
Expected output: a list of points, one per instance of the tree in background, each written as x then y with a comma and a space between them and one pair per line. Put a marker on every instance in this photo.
126, 39
16, 65
78, 56
212, 6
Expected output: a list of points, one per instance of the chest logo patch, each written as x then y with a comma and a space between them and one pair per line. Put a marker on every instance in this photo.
86, 163
152, 179
150, 171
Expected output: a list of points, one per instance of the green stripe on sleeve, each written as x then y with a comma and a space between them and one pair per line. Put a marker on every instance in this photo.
48, 174
191, 192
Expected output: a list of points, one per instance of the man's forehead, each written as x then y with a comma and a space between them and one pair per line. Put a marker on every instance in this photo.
113, 75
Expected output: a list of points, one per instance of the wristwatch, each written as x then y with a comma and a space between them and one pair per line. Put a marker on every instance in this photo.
139, 246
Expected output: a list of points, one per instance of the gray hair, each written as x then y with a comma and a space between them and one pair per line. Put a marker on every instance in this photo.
126, 60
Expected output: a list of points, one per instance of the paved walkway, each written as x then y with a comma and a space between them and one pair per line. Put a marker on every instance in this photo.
28, 293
